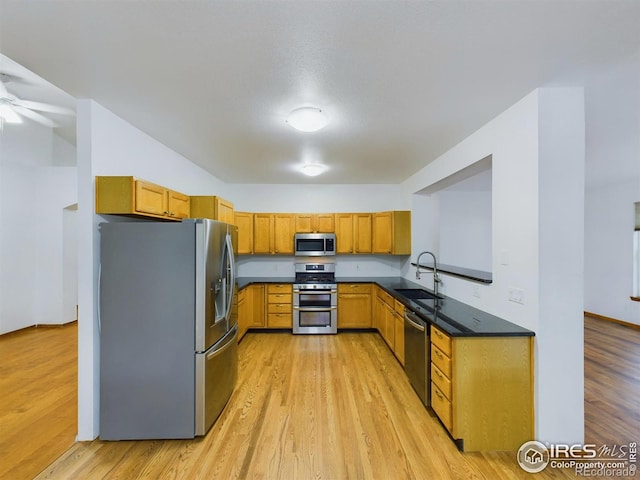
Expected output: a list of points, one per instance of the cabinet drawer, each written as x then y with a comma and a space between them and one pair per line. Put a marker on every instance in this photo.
280, 320
441, 361
441, 339
279, 308
280, 298
279, 288
354, 288
441, 406
441, 380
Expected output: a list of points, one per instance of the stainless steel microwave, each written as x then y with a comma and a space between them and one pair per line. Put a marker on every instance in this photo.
315, 244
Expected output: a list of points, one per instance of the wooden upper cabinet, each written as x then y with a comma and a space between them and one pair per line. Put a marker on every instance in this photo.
362, 233
126, 195
314, 223
353, 232
244, 222
179, 204
344, 233
213, 207
325, 223
284, 229
304, 222
262, 233
224, 210
392, 232
151, 198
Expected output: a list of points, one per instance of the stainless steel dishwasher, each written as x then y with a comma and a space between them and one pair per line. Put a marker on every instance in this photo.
416, 355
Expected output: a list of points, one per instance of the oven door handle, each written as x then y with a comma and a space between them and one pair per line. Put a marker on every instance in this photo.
315, 292
315, 309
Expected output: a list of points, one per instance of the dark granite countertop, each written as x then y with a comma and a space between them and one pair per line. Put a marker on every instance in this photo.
246, 281
453, 317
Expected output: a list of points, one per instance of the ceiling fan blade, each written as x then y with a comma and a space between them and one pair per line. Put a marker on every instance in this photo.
35, 116
44, 107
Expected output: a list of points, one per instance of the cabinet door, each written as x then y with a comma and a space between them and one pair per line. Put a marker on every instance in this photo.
325, 223
257, 306
284, 229
378, 313
245, 316
354, 306
224, 210
362, 233
263, 233
398, 339
244, 222
344, 233
203, 206
179, 204
382, 232
389, 326
304, 223
151, 198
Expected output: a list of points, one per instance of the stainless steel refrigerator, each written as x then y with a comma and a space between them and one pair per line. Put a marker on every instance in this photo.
168, 330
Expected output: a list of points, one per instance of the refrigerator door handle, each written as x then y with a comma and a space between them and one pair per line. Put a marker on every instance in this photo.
231, 273
99, 296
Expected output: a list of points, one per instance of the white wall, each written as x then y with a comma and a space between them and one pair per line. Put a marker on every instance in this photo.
317, 198
33, 194
613, 185
465, 223
107, 145
537, 149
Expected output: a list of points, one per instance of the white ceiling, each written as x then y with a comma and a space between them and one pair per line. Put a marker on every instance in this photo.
402, 81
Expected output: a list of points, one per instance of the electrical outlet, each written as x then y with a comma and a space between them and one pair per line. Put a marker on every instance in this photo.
516, 295
476, 291
504, 257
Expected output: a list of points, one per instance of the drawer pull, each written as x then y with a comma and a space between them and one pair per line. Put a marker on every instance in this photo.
439, 395
439, 375
438, 333
439, 354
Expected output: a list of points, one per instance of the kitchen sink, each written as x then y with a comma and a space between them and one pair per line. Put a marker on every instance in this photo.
415, 293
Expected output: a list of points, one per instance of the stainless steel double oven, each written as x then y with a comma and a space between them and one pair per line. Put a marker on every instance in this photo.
315, 299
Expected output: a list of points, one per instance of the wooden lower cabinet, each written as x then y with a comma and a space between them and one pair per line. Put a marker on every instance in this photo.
244, 313
258, 319
398, 338
280, 305
265, 305
354, 305
388, 317
482, 389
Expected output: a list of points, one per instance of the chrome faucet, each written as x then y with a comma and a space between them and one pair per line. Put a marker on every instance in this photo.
436, 278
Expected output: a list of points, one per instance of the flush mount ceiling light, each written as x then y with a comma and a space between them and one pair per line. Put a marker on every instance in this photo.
313, 169
307, 119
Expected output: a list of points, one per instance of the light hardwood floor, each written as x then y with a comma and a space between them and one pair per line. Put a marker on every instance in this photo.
38, 398
340, 407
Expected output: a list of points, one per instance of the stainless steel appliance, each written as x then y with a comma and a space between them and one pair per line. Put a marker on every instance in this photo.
168, 334
416, 355
315, 299
315, 244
